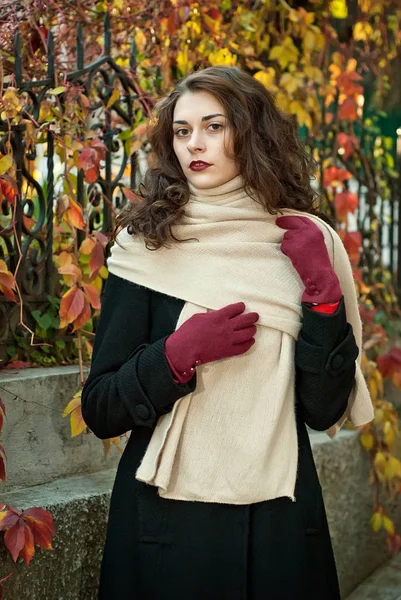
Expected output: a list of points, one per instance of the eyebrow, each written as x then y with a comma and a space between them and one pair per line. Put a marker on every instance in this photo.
207, 118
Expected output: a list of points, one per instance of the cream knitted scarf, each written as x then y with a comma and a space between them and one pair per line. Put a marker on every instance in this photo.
234, 439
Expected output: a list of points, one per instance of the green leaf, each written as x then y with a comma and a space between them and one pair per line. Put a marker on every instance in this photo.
60, 344
12, 351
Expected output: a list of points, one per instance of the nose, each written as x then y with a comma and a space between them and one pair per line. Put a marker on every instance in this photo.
196, 143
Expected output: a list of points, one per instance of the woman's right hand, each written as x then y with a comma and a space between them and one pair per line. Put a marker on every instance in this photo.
206, 337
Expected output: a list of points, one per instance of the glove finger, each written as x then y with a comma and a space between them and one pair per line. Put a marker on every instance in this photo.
238, 349
245, 320
232, 310
244, 335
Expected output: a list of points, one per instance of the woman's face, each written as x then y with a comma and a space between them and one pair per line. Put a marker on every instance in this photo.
202, 140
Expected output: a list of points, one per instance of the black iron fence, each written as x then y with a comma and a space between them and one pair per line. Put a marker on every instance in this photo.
36, 275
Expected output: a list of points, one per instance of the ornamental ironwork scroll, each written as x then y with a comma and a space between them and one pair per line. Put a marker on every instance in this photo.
35, 205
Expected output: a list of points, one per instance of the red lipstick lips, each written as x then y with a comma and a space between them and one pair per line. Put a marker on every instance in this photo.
199, 165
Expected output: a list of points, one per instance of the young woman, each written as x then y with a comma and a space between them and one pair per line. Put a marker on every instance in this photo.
229, 321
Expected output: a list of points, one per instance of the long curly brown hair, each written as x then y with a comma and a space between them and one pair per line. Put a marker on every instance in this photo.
276, 169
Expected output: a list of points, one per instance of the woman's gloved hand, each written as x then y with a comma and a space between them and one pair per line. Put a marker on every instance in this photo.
304, 245
206, 337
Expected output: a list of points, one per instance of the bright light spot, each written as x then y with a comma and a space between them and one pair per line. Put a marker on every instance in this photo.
341, 151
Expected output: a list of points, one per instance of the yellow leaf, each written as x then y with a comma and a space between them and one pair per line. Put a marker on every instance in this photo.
367, 440
314, 73
379, 415
376, 521
285, 54
388, 525
392, 468
222, 56
98, 283
339, 9
267, 77
73, 409
103, 272
6, 162
183, 62
140, 39
57, 90
113, 98
380, 461
362, 31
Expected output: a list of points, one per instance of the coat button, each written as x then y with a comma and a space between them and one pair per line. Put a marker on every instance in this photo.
338, 361
142, 411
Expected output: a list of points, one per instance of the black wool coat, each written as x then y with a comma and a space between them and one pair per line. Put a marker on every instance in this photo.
160, 549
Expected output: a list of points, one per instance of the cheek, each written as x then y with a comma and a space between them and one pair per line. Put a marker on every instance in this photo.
178, 152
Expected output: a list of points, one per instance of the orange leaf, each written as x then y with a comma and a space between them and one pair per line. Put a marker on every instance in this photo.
28, 549
352, 243
96, 260
92, 295
87, 246
74, 216
64, 258
83, 317
347, 83
130, 195
344, 203
73, 270
7, 281
41, 524
91, 175
333, 177
72, 305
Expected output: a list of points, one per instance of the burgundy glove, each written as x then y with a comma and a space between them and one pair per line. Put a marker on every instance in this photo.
304, 244
207, 337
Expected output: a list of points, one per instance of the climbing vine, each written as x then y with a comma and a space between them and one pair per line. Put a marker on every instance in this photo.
328, 63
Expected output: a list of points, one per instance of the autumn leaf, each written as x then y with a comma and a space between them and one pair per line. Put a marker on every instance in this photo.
87, 246
390, 362
41, 523
96, 260
285, 53
334, 177
339, 9
92, 295
344, 203
7, 282
8, 189
83, 317
72, 273
376, 521
346, 143
74, 216
352, 241
6, 162
348, 110
115, 96
23, 530
73, 409
72, 305
367, 440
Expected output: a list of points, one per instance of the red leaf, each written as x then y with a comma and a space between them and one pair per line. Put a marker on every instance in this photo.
83, 317
347, 83
344, 203
348, 143
14, 538
348, 110
101, 238
87, 159
28, 550
41, 523
352, 243
333, 177
92, 295
72, 305
96, 260
19, 364
91, 175
389, 363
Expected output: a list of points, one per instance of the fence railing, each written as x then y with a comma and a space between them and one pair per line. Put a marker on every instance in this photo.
36, 276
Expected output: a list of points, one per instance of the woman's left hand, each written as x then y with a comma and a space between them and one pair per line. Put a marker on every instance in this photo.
304, 245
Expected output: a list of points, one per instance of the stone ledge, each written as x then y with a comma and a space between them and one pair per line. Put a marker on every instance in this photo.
383, 584
36, 437
79, 506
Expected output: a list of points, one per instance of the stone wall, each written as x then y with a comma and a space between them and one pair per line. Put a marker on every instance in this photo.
72, 478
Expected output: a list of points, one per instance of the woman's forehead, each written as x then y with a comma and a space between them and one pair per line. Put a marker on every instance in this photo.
197, 105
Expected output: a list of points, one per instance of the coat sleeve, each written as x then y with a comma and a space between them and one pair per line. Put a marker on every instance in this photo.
325, 367
130, 383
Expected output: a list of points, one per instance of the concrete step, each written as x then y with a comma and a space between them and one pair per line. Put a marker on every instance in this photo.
383, 584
